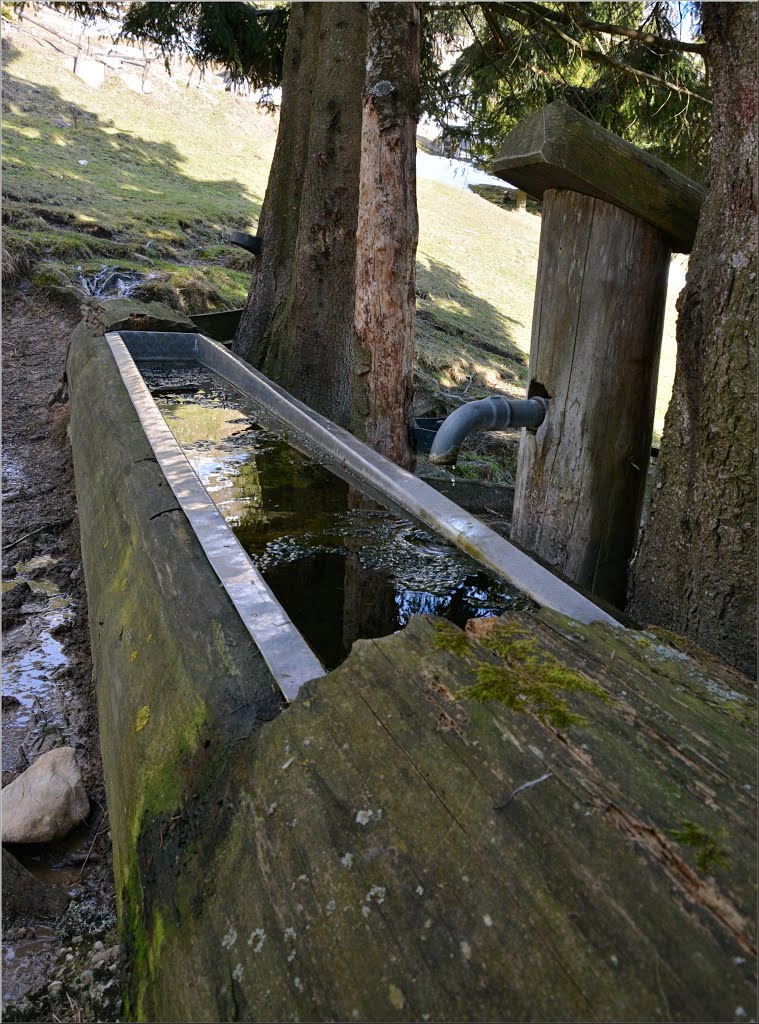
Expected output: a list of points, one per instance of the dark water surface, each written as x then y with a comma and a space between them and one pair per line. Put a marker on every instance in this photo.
341, 573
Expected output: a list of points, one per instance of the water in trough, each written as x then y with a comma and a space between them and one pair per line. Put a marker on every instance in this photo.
341, 573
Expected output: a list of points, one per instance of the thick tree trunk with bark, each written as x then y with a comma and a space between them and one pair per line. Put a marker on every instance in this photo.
695, 571
387, 234
298, 321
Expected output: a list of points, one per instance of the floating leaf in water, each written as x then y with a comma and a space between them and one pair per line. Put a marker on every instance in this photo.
143, 716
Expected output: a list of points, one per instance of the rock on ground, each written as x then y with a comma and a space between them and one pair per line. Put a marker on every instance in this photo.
46, 801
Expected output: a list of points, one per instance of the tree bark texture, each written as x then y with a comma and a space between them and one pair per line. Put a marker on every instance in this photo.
387, 234
297, 327
695, 571
596, 335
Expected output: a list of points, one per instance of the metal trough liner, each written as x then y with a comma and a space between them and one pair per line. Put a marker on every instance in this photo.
287, 654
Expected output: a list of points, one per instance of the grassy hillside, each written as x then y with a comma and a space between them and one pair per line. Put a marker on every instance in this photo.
170, 173
166, 176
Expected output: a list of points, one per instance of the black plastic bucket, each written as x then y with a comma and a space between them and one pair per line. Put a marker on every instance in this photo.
425, 430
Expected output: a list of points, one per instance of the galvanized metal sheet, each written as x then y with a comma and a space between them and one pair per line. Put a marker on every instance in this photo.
290, 659
383, 478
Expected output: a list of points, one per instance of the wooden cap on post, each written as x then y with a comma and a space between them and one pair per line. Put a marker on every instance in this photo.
560, 148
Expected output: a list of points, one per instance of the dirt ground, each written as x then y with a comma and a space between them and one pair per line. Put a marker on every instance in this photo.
66, 969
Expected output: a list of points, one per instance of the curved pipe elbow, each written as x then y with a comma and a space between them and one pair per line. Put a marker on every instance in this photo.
485, 414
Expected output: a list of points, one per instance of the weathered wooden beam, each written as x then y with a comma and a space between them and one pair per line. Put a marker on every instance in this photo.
578, 847
596, 334
611, 216
558, 148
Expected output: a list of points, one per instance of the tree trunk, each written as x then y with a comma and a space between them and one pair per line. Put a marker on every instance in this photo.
695, 568
297, 327
387, 234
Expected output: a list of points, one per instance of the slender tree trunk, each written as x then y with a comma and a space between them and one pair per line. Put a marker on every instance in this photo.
387, 233
298, 321
695, 571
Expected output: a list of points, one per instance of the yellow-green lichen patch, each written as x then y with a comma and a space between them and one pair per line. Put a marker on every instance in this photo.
220, 645
708, 850
157, 938
679, 642
527, 679
143, 717
162, 763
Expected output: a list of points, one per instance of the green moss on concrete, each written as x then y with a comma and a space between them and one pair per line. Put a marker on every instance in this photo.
708, 851
157, 938
162, 779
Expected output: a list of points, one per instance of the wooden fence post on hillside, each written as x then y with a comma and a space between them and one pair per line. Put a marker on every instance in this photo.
612, 215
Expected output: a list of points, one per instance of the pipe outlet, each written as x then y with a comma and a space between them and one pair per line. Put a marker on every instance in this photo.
485, 414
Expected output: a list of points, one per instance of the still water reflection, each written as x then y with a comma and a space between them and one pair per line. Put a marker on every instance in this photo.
341, 573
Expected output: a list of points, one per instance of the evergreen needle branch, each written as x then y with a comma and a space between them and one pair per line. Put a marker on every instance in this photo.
608, 29
529, 18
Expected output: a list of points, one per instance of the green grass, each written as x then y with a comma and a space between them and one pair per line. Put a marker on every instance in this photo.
476, 269
169, 174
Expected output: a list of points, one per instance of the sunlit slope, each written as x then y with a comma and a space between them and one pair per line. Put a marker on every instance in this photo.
169, 173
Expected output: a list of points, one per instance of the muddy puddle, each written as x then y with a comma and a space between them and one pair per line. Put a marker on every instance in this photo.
35, 703
35, 719
26, 959
341, 573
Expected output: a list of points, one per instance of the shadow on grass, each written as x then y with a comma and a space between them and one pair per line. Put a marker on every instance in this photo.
76, 186
454, 324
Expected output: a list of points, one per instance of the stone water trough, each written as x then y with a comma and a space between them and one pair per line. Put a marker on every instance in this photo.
546, 816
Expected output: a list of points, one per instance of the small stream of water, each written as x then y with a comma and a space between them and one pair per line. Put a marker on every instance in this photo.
32, 660
341, 573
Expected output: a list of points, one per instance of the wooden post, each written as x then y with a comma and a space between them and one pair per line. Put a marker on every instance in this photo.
612, 215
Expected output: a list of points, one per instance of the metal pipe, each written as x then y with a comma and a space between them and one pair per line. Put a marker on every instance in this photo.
486, 414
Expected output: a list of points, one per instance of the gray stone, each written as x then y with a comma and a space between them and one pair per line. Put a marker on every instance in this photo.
105, 957
46, 801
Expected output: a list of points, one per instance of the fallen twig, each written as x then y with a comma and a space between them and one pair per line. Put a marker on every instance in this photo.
95, 839
525, 785
40, 529
26, 536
